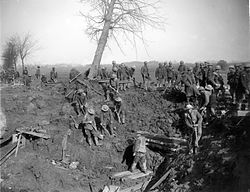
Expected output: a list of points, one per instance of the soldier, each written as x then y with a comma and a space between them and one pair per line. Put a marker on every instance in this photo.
122, 75
90, 127
159, 75
38, 73
25, 76
107, 120
193, 121
212, 101
119, 110
53, 75
182, 67
112, 88
204, 69
139, 153
245, 79
145, 75
231, 81
165, 73
239, 93
170, 73
197, 73
218, 79
43, 80
189, 83
210, 75
114, 67
104, 73
80, 99
131, 74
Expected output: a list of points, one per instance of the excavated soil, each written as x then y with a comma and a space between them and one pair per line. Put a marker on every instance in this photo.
221, 161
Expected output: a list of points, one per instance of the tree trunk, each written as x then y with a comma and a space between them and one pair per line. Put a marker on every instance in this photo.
102, 42
22, 65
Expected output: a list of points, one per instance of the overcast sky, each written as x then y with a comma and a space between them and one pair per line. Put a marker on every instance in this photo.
196, 30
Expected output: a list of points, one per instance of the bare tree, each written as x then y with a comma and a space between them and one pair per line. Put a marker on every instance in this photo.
26, 47
10, 54
110, 18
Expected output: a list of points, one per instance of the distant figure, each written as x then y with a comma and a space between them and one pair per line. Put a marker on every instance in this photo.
25, 76
231, 81
145, 75
53, 75
43, 80
107, 120
245, 79
159, 75
182, 67
38, 73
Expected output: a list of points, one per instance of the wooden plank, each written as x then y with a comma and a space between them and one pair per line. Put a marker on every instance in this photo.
161, 179
136, 187
138, 175
41, 135
124, 174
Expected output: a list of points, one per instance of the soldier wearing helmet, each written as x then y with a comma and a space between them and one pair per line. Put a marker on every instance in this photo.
159, 75
38, 72
210, 75
122, 76
104, 73
197, 73
112, 87
240, 91
53, 75
182, 67
231, 81
219, 82
245, 80
119, 109
190, 84
90, 127
80, 99
193, 120
139, 153
106, 117
145, 75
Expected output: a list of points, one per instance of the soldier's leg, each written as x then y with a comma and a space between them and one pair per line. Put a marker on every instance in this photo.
143, 163
122, 117
111, 128
135, 161
89, 140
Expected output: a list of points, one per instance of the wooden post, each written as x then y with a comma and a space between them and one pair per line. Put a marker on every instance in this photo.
18, 143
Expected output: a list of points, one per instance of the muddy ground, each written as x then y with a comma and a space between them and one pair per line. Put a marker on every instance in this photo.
222, 164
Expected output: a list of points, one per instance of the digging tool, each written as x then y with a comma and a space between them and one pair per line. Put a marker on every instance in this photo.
69, 93
18, 143
76, 124
118, 116
105, 129
114, 89
75, 77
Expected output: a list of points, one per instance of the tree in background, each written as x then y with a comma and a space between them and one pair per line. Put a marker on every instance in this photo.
26, 47
110, 18
10, 55
223, 64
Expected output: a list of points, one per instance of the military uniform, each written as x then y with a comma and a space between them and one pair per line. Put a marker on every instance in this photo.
245, 80
182, 67
107, 119
231, 81
53, 75
139, 150
90, 128
197, 74
120, 110
38, 73
159, 75
145, 75
25, 76
193, 121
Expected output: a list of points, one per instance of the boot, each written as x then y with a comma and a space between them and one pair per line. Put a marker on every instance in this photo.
132, 169
96, 141
89, 141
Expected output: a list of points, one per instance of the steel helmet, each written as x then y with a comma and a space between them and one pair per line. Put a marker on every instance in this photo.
113, 76
209, 87
189, 106
115, 69
118, 99
105, 108
218, 67
91, 111
231, 67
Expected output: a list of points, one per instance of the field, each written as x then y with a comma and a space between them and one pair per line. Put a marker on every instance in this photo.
222, 163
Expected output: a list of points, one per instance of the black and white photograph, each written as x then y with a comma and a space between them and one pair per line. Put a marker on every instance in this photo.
124, 96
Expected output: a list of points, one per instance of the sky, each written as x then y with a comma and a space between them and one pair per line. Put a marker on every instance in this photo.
195, 30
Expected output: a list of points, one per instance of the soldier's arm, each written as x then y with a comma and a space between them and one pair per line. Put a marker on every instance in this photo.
200, 119
187, 121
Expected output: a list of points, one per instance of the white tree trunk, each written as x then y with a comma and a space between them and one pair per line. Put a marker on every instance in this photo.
102, 42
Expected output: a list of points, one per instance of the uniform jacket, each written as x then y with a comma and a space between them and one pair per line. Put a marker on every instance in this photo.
189, 82
231, 79
114, 83
245, 80
159, 73
182, 68
140, 145
106, 117
145, 72
193, 118
90, 119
